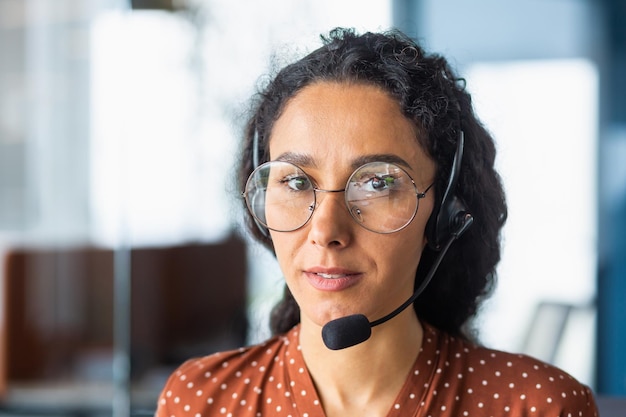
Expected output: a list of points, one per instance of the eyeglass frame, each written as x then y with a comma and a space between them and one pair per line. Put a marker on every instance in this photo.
313, 207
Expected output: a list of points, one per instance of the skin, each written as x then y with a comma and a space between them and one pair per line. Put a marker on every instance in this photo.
333, 266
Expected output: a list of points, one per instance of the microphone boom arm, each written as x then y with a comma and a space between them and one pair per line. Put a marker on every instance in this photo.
467, 221
351, 330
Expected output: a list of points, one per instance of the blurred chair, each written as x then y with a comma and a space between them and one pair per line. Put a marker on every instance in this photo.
563, 335
546, 330
612, 406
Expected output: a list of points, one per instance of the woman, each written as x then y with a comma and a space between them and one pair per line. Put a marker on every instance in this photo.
363, 165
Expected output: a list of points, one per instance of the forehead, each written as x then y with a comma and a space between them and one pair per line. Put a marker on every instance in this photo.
330, 125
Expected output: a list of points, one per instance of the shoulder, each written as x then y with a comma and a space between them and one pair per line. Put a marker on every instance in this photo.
227, 365
221, 379
515, 382
529, 383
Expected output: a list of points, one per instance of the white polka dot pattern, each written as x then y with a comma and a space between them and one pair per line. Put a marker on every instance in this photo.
451, 377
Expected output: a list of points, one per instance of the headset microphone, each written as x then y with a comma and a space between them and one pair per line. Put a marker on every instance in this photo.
348, 331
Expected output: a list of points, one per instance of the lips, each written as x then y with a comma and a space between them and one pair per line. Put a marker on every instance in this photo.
332, 279
330, 276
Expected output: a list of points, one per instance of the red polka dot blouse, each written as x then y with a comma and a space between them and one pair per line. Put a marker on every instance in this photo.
450, 377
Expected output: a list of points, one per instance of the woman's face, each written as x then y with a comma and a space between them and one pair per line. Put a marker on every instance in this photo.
332, 265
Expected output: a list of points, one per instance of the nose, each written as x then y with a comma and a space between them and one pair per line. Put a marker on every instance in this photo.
331, 224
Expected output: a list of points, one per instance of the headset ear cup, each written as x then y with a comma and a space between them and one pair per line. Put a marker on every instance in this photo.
451, 219
258, 203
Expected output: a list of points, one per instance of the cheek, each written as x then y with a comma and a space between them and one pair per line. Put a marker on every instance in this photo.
398, 251
406, 251
284, 248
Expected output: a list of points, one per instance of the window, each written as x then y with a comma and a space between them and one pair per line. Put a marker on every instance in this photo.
544, 117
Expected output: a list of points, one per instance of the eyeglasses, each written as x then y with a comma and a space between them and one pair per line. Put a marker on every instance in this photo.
380, 196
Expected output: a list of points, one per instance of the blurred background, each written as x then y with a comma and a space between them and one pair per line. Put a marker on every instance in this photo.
121, 247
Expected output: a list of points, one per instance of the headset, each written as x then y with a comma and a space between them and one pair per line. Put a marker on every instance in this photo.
450, 215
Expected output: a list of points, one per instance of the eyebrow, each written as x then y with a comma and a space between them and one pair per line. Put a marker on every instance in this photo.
299, 159
382, 157
304, 160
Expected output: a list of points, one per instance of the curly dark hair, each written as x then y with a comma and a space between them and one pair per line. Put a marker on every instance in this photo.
434, 98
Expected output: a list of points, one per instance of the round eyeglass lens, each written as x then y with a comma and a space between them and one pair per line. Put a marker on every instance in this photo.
382, 197
280, 196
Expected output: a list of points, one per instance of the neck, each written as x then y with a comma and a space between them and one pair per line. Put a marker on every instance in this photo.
389, 354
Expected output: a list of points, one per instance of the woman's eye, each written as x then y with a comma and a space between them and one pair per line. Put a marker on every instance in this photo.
379, 183
297, 183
